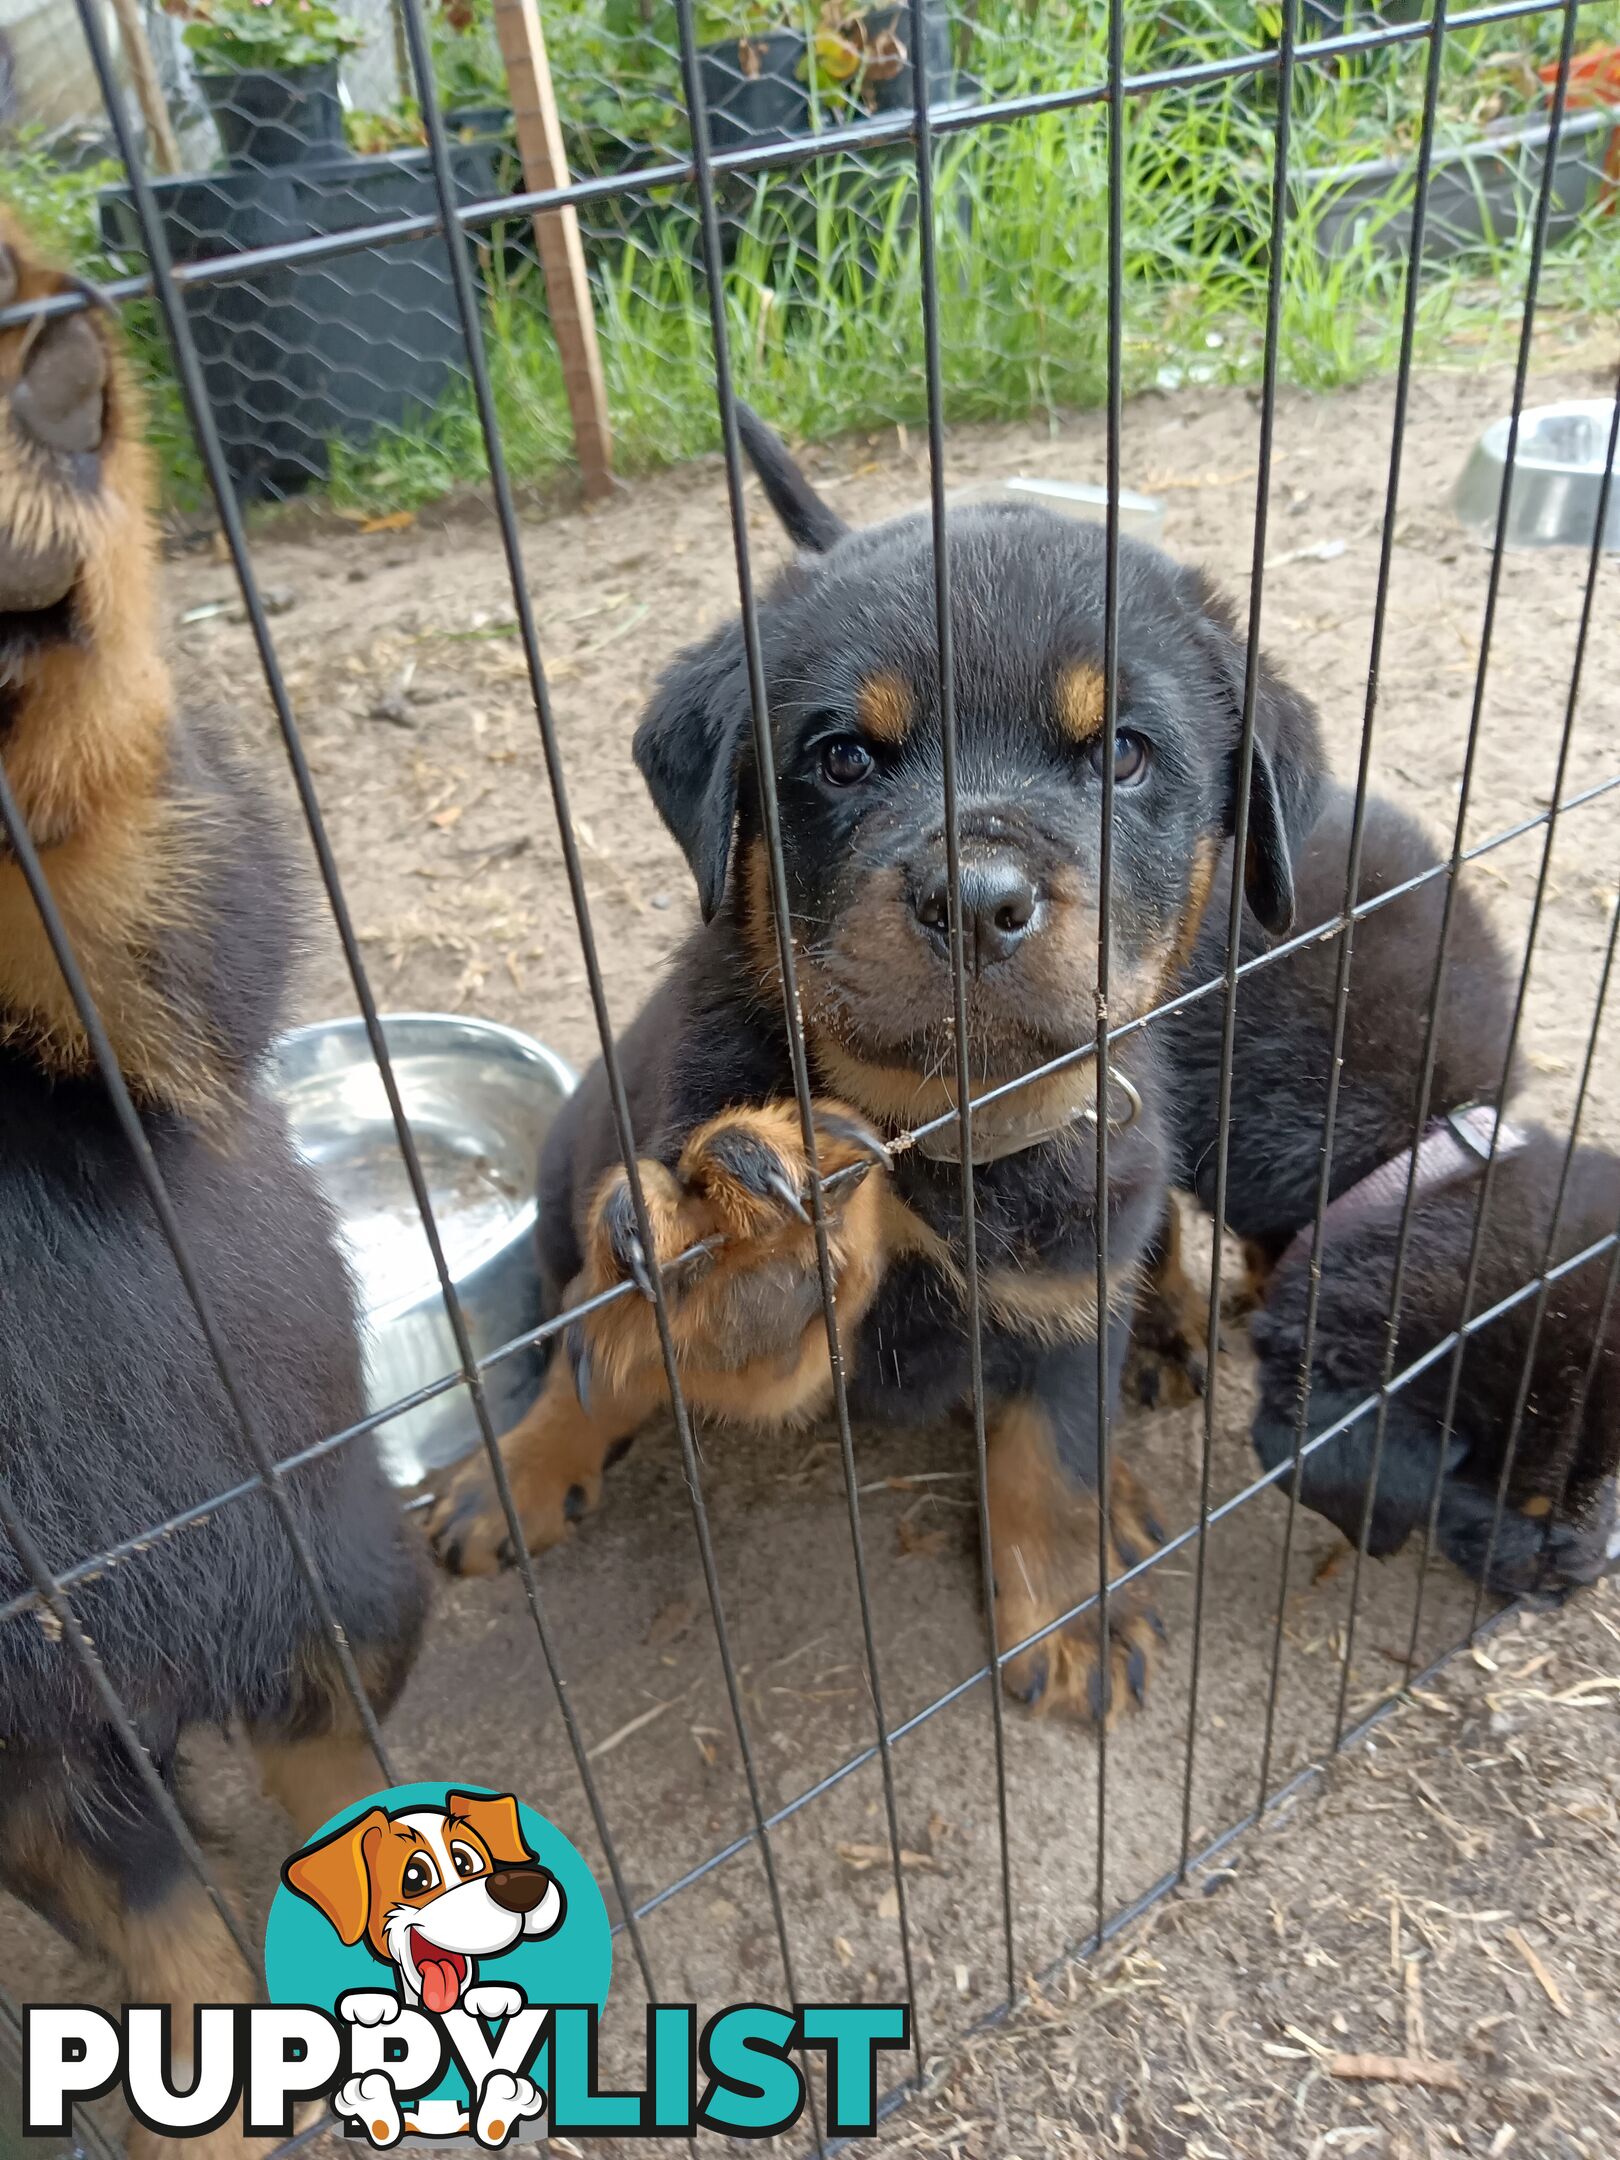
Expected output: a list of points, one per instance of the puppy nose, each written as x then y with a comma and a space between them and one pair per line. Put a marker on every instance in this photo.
999, 909
518, 1889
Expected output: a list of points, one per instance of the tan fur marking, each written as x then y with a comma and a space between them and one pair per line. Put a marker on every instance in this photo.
1252, 1285
1053, 1306
1044, 1534
311, 1780
1200, 877
1082, 701
86, 753
885, 708
175, 1951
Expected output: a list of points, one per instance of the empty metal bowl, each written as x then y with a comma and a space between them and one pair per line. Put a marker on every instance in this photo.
478, 1099
1557, 478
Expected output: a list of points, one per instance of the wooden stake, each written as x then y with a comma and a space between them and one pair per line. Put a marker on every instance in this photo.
556, 235
143, 73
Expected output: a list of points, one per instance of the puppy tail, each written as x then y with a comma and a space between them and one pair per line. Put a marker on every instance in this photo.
810, 523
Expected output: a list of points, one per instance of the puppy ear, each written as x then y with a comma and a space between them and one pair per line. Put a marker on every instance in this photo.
1268, 862
689, 750
1288, 773
335, 1875
495, 1818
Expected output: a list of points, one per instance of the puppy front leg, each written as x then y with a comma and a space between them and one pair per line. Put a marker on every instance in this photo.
1046, 1543
745, 1314
554, 1459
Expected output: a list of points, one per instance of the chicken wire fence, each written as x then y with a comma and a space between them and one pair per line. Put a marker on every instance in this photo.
850, 215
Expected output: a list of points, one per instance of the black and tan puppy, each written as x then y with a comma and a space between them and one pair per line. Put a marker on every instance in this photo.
851, 669
173, 887
1554, 1530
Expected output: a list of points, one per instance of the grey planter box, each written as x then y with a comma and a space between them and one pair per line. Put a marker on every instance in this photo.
1479, 192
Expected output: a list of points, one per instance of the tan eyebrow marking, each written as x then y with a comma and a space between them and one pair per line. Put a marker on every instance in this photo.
883, 708
1081, 701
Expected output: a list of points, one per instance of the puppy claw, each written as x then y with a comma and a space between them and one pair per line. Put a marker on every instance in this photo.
624, 1238
855, 1135
640, 1272
579, 1364
776, 1183
1136, 1671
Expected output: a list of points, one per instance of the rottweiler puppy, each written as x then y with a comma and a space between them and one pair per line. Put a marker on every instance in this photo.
162, 860
851, 668
1559, 1490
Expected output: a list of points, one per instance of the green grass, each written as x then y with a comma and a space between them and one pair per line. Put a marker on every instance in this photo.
823, 282
823, 289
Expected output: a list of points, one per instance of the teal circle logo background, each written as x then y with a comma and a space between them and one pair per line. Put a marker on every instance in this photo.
305, 1961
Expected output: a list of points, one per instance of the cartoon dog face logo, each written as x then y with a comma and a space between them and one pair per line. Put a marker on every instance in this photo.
431, 1890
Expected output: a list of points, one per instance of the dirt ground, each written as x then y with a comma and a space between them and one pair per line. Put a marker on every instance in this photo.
1466, 1918
409, 685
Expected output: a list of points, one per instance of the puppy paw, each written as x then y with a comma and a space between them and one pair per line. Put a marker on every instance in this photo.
745, 1316
1166, 1374
1046, 1562
738, 1202
368, 2006
554, 1459
504, 2104
493, 1999
370, 2100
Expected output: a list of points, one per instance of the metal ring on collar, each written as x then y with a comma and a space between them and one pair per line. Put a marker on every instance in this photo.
1133, 1104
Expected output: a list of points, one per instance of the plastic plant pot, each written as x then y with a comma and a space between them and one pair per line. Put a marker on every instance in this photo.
269, 116
1479, 192
298, 355
1594, 79
882, 91
754, 89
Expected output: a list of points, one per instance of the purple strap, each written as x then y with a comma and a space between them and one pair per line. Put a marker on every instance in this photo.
1452, 1147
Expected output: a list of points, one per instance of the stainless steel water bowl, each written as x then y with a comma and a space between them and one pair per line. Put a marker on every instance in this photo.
479, 1099
1557, 478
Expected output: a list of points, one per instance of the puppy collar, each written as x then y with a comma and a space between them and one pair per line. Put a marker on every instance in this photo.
1001, 1129
1452, 1147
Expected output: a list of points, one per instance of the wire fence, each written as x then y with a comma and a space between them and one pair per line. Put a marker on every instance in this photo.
861, 210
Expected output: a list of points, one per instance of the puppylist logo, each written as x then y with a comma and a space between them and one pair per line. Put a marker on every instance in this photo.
437, 1961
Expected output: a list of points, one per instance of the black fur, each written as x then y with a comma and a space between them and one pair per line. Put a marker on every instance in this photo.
1279, 1095
1285, 1027
1028, 591
111, 1416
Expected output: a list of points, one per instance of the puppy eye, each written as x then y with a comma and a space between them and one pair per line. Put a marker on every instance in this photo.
1132, 755
466, 1861
420, 1874
845, 761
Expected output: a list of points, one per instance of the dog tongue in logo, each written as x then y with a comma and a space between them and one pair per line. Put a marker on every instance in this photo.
441, 1973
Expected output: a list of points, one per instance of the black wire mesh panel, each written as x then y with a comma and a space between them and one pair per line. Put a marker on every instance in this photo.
955, 1952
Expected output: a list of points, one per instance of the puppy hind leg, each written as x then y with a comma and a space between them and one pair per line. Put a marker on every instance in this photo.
87, 1848
313, 1756
1168, 1363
